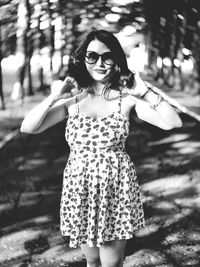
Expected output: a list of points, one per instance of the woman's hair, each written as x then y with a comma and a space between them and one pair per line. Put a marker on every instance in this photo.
120, 74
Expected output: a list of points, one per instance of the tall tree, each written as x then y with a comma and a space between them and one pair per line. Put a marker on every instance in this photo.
23, 50
28, 47
1, 84
8, 17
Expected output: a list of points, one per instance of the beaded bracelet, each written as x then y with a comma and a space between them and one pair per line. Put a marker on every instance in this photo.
159, 99
154, 106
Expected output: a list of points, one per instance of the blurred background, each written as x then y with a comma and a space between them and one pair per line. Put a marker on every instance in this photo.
160, 39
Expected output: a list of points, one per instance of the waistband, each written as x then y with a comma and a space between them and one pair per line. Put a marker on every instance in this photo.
95, 149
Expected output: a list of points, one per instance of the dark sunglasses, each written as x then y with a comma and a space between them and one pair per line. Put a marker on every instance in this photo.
92, 57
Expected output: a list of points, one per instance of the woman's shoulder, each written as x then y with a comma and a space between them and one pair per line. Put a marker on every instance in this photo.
123, 93
129, 100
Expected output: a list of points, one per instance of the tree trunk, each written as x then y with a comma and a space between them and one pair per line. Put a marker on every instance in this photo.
18, 88
1, 80
29, 48
51, 37
24, 51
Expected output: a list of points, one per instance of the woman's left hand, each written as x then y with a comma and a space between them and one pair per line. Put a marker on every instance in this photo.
139, 89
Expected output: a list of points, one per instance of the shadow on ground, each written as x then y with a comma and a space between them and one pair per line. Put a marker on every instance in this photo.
167, 164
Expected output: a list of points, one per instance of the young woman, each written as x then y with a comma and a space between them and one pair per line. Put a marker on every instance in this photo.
101, 204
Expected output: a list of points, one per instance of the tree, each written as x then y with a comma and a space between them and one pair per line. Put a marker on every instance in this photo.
24, 50
7, 36
1, 84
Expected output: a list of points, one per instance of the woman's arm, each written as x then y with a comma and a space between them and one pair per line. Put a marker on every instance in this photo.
50, 111
163, 116
43, 116
151, 108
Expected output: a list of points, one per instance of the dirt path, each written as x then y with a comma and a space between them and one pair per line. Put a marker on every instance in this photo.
168, 169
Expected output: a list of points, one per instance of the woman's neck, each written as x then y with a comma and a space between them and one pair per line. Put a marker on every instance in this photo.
97, 89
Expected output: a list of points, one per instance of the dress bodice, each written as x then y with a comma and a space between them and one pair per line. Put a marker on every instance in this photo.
84, 131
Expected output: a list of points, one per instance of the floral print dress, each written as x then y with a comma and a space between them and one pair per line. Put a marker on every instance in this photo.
101, 198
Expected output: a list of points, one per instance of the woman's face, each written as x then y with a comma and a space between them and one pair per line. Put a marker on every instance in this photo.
98, 60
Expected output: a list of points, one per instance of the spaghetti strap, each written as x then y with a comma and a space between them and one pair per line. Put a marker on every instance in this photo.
77, 104
120, 101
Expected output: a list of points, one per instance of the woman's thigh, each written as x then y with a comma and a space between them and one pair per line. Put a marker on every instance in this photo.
112, 253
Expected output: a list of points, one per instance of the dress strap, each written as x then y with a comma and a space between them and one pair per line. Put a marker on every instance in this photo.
120, 101
77, 104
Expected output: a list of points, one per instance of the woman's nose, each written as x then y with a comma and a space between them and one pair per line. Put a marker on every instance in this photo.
100, 62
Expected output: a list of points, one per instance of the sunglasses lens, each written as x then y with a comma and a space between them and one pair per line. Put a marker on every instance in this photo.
107, 58
91, 57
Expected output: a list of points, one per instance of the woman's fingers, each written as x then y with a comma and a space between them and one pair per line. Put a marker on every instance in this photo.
75, 91
68, 79
65, 96
69, 89
71, 94
139, 89
129, 91
70, 83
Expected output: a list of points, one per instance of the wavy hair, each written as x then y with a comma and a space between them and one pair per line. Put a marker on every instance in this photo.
120, 75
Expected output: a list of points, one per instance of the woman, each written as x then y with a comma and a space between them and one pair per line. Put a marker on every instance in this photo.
101, 204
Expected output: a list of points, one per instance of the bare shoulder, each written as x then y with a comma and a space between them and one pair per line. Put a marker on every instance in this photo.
129, 100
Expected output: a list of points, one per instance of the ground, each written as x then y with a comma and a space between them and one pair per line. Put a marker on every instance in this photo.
167, 164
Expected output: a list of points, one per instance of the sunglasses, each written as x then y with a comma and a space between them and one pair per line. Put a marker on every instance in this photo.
92, 57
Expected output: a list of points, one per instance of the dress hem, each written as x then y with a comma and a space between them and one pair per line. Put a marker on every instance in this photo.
100, 244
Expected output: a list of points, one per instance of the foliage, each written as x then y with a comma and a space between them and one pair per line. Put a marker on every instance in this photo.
169, 26
173, 26
8, 18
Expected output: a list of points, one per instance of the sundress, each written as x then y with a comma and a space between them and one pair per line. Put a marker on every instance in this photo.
101, 199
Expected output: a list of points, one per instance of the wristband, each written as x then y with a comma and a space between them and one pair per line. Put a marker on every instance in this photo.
51, 105
147, 91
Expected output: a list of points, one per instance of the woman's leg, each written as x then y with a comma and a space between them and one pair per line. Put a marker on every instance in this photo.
91, 255
112, 253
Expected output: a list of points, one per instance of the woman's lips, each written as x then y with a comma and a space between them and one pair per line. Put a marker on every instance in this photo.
101, 71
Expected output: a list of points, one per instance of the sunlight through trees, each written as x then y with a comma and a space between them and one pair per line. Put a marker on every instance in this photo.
50, 30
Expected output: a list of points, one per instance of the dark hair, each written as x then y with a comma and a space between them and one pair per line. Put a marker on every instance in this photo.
120, 76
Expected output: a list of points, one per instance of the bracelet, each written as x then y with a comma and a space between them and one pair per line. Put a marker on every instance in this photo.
51, 105
159, 99
147, 91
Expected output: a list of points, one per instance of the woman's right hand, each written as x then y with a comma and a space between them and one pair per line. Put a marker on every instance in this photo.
42, 116
65, 89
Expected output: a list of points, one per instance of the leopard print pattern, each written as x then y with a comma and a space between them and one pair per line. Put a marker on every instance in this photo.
101, 198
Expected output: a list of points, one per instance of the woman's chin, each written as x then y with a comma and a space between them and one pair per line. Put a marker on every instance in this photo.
100, 78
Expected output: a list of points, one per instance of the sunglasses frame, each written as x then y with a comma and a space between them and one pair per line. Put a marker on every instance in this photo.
99, 55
